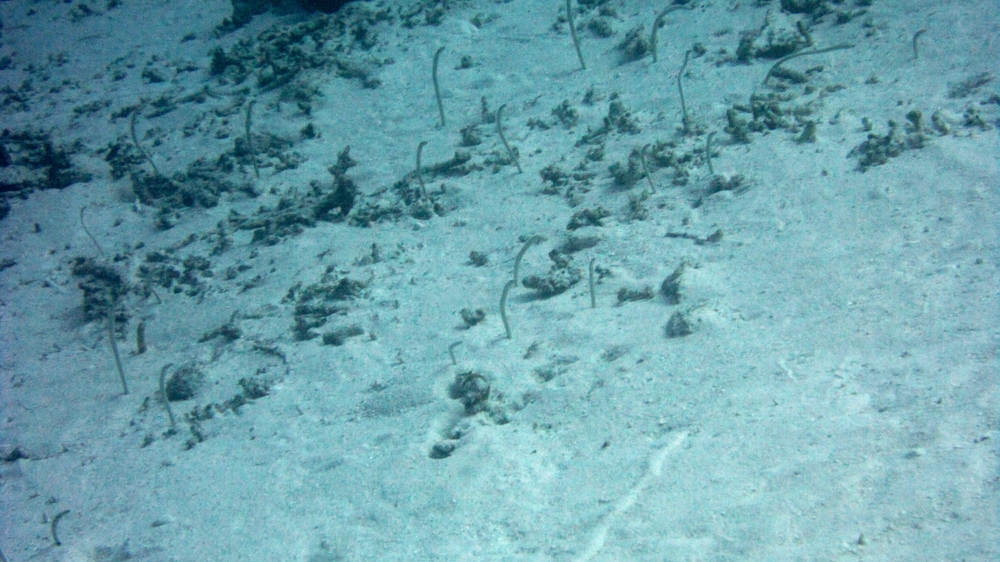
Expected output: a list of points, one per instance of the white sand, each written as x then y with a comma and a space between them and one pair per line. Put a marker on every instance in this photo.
836, 401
